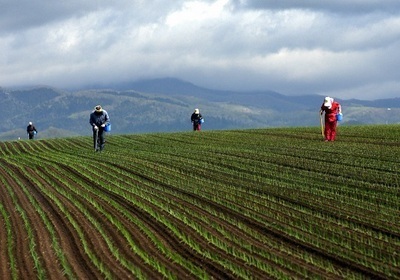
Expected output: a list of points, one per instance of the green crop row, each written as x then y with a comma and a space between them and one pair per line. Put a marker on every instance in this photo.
245, 204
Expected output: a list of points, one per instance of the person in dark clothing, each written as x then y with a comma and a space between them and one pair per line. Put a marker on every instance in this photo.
98, 120
197, 120
31, 130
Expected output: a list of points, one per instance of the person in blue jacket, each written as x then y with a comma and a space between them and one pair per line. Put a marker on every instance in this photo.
98, 120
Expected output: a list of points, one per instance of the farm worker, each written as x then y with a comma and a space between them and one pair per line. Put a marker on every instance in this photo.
31, 130
196, 119
98, 120
331, 109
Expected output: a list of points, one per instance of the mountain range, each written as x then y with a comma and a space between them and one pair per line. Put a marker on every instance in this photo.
165, 105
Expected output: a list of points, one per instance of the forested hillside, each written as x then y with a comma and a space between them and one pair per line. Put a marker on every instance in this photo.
165, 105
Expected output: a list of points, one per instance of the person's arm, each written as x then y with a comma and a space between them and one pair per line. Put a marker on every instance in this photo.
107, 118
92, 122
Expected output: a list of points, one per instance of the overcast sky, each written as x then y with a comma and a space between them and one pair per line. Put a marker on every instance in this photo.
340, 48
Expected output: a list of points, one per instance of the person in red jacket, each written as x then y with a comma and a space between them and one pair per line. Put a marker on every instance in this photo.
331, 108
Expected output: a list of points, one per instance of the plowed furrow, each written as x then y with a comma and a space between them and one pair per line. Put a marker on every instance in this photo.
91, 234
68, 238
139, 237
213, 268
21, 250
42, 237
5, 272
167, 237
190, 208
234, 215
253, 241
293, 242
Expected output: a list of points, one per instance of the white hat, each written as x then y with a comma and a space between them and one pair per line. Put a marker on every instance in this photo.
328, 102
196, 111
98, 108
30, 123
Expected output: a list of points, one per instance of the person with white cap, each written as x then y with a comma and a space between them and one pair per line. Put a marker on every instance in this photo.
197, 120
98, 120
331, 108
31, 130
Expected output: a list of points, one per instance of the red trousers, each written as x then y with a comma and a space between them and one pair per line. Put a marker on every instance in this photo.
330, 130
196, 126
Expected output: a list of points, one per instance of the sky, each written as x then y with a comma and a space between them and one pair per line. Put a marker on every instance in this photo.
339, 48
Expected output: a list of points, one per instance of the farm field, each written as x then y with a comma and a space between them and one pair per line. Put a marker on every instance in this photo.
273, 203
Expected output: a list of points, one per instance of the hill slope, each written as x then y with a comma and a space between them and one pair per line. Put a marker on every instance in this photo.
248, 204
165, 105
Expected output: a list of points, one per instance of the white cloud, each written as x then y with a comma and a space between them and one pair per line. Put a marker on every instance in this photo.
333, 6
196, 11
286, 46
